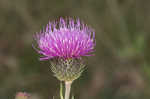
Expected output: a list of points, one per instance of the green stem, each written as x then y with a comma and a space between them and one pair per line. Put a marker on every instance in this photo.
68, 88
61, 91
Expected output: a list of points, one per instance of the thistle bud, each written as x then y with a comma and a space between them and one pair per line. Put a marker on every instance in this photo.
22, 95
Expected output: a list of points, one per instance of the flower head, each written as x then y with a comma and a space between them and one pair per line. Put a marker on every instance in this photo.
65, 38
22, 95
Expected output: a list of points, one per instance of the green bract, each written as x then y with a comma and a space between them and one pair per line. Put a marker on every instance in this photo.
67, 69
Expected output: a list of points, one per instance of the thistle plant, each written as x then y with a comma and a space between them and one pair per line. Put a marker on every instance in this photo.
65, 42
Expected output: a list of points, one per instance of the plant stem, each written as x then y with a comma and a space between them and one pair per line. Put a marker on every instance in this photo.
61, 91
68, 88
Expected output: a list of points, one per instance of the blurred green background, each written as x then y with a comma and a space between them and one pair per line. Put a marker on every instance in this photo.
120, 68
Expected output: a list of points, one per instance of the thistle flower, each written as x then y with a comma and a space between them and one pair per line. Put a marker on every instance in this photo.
22, 95
65, 38
64, 42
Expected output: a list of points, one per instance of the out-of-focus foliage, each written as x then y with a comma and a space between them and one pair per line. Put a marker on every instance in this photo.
120, 68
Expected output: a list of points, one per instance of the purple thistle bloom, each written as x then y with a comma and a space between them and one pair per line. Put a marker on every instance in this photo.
65, 38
